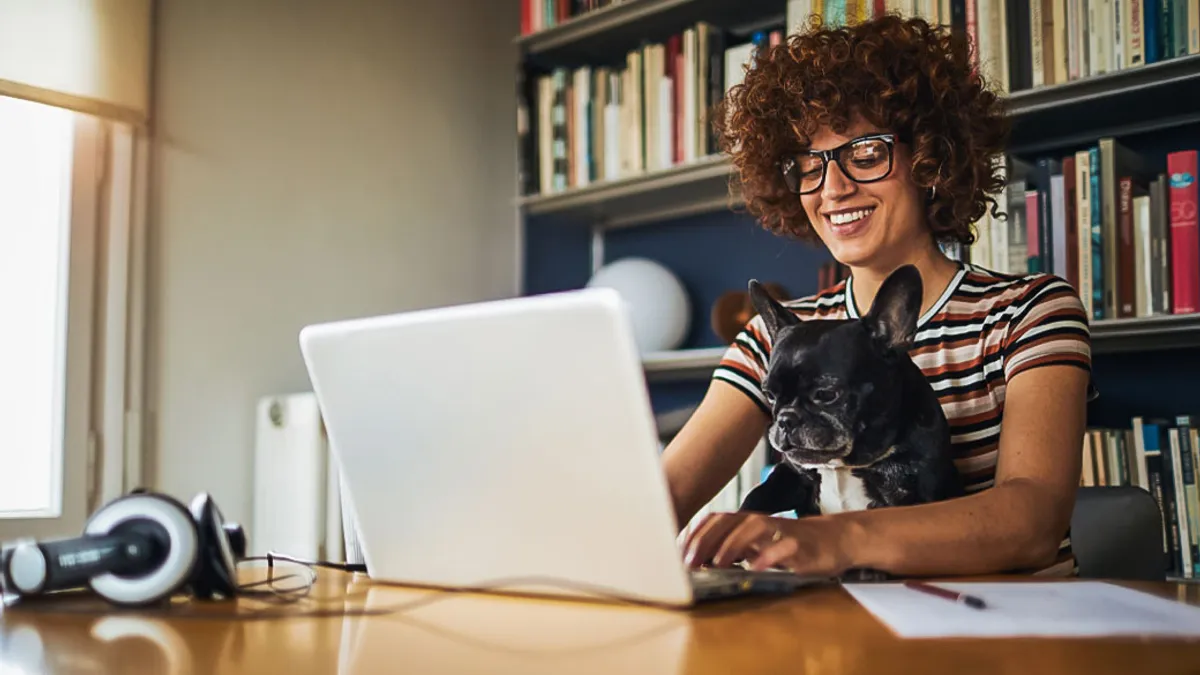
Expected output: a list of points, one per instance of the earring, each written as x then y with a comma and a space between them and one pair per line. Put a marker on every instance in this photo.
932, 193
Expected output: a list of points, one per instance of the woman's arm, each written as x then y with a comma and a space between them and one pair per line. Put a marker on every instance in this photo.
1017, 524
710, 449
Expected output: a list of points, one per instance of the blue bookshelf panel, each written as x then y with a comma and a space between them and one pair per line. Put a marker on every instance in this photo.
557, 256
1151, 384
715, 254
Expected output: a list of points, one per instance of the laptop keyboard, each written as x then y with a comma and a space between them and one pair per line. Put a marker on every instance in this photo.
733, 576
722, 582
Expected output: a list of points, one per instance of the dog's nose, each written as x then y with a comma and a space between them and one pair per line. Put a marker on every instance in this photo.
787, 421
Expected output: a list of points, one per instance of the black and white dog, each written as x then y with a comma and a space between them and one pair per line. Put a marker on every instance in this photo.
855, 421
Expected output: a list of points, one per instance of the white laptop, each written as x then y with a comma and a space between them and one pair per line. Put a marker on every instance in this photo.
508, 446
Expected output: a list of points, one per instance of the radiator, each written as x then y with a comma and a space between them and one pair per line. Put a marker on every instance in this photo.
297, 489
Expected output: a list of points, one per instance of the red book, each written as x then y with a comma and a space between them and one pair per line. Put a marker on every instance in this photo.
526, 17
1033, 235
1185, 231
674, 71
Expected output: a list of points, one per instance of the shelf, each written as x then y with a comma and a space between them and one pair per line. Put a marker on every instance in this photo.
1111, 104
1170, 331
1108, 336
1099, 88
683, 364
687, 189
606, 35
1182, 580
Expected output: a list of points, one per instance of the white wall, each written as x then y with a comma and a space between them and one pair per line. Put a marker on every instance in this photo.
313, 160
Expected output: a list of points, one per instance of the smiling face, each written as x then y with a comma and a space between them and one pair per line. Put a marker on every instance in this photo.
874, 224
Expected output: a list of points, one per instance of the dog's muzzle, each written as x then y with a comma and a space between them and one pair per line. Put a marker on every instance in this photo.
790, 435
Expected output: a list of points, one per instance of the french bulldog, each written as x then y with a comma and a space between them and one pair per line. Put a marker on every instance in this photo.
855, 422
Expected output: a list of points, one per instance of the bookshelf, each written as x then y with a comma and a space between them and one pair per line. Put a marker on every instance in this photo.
1038, 115
1064, 109
1049, 116
597, 35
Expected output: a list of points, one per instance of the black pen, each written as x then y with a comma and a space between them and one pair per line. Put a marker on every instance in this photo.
968, 600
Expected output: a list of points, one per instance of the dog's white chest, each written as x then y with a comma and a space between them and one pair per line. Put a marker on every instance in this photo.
841, 490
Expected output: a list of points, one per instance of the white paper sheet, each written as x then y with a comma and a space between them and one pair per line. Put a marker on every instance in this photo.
1027, 609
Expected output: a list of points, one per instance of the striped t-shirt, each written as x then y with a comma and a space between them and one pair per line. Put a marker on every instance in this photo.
984, 329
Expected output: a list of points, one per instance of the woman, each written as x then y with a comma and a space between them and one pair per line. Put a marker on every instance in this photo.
880, 141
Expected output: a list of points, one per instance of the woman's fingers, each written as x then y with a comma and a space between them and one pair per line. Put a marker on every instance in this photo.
783, 553
708, 536
750, 536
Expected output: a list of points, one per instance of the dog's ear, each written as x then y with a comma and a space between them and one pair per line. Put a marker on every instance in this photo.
892, 320
775, 316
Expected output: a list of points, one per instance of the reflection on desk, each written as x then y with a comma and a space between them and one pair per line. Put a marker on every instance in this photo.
817, 630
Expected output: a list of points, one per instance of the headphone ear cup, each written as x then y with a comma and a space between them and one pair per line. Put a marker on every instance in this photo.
215, 575
172, 532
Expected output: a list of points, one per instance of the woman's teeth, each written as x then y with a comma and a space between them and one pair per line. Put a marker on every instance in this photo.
849, 216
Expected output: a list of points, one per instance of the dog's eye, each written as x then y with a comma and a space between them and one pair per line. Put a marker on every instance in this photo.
824, 396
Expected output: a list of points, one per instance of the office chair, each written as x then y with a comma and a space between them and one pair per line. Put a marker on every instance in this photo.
1116, 533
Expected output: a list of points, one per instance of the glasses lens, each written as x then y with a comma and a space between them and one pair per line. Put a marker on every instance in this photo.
802, 173
867, 160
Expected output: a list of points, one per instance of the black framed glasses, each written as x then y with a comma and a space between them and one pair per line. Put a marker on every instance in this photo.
865, 159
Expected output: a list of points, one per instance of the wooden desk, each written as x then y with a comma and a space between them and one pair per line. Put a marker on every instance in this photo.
817, 631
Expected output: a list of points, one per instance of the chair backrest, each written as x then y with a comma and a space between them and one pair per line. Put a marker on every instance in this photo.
1117, 533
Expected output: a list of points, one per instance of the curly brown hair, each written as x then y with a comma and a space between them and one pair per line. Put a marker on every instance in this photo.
903, 75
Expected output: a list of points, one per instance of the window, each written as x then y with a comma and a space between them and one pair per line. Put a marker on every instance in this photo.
49, 180
35, 188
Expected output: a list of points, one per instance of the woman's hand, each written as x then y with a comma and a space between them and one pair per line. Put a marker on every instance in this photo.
819, 545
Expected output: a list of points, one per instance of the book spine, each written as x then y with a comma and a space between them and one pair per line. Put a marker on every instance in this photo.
1179, 28
1036, 48
1185, 231
1169, 498
1151, 436
1033, 236
1126, 272
559, 123
1135, 43
1045, 230
1166, 30
1056, 26
1083, 220
1116, 28
1097, 226
1193, 14
1150, 28
1055, 208
1108, 193
1143, 262
1072, 229
1183, 531
1188, 503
